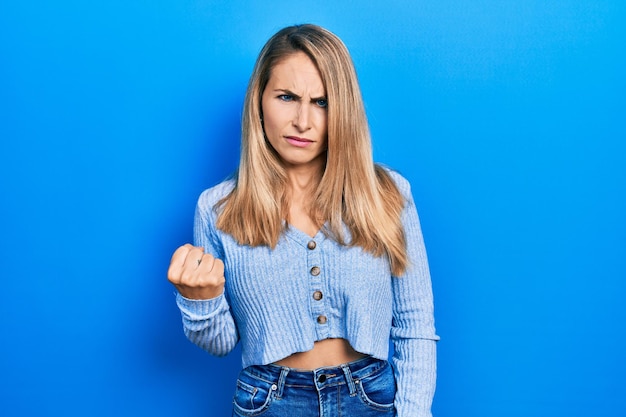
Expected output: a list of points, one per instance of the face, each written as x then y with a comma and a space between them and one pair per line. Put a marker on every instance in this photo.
294, 112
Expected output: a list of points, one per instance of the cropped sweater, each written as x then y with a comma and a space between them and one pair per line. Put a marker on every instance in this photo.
280, 301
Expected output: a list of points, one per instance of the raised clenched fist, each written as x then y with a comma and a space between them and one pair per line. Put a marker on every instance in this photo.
195, 274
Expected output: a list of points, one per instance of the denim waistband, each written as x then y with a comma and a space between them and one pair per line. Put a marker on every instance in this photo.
349, 373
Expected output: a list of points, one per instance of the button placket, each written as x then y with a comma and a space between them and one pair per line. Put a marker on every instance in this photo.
317, 300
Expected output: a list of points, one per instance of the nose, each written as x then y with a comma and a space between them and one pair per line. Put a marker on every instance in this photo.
302, 118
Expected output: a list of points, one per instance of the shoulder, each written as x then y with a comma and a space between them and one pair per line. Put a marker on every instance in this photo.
398, 179
212, 196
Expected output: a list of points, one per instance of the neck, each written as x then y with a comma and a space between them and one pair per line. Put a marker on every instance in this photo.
302, 181
300, 191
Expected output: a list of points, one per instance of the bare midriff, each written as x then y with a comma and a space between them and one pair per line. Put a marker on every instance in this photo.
325, 353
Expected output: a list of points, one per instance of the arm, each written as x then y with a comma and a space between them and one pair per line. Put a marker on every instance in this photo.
207, 319
209, 324
413, 331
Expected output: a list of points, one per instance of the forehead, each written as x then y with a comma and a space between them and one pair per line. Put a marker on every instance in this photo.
296, 70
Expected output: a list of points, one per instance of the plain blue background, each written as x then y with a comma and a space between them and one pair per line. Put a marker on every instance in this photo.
508, 117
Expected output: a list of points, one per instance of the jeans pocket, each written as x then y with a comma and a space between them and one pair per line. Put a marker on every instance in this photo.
378, 390
252, 396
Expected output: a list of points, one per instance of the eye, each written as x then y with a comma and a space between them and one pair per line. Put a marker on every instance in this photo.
322, 102
285, 97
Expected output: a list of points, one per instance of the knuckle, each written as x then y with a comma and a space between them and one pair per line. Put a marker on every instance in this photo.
181, 251
186, 277
210, 280
207, 280
196, 250
218, 267
172, 275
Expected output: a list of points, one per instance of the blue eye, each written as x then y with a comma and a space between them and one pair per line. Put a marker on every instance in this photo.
285, 97
322, 102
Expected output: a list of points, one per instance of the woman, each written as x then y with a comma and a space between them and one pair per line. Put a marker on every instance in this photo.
312, 256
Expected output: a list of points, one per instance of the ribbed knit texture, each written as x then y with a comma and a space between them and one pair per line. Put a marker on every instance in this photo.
272, 301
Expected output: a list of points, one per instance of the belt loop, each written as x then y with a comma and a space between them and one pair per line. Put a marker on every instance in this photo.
281, 382
346, 371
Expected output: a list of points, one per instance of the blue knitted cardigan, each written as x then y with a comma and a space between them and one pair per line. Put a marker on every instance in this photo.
280, 301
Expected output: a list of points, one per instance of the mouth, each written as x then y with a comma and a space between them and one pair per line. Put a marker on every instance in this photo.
298, 141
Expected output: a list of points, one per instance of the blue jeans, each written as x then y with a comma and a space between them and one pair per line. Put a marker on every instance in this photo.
362, 388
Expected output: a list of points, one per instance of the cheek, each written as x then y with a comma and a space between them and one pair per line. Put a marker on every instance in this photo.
271, 119
323, 123
270, 127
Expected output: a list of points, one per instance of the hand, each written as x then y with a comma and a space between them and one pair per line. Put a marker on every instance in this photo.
195, 274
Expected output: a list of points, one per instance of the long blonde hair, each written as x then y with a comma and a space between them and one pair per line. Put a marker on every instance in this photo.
352, 191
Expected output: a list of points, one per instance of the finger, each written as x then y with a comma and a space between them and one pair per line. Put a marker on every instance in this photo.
179, 255
218, 267
193, 259
210, 274
177, 262
206, 263
211, 270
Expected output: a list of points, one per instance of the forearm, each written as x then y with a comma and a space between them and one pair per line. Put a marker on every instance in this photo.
415, 367
209, 324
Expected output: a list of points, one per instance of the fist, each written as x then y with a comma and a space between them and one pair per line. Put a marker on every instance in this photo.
195, 274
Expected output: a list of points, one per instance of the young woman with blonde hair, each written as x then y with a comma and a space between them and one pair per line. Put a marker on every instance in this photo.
311, 256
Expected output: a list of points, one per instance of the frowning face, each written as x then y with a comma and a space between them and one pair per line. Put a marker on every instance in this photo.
294, 112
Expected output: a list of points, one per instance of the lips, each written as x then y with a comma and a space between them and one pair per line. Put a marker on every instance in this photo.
298, 141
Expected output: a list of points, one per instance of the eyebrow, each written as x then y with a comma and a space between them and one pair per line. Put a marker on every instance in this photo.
291, 93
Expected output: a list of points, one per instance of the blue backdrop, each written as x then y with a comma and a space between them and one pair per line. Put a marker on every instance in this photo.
508, 117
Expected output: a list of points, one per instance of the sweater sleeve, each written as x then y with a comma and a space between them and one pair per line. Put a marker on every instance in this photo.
208, 323
413, 331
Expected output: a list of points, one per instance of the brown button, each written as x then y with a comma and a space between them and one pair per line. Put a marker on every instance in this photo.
311, 245
321, 319
315, 271
317, 295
